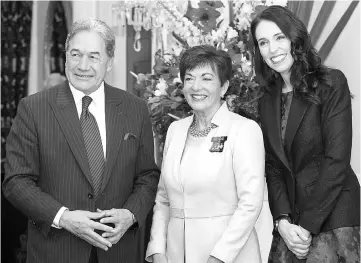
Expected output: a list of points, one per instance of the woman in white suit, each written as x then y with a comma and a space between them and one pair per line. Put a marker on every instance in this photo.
211, 188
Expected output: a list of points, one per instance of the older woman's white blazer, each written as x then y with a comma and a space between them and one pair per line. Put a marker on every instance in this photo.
218, 216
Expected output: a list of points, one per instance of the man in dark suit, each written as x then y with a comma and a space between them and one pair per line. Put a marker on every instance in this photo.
80, 159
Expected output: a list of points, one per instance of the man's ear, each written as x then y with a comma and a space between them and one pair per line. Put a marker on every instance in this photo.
224, 88
110, 64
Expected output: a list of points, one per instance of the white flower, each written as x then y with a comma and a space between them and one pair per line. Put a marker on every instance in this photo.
167, 58
157, 93
178, 25
177, 80
190, 41
162, 87
177, 49
241, 45
220, 34
243, 24
247, 8
268, 2
182, 31
221, 45
209, 40
280, 2
196, 41
231, 33
246, 67
194, 3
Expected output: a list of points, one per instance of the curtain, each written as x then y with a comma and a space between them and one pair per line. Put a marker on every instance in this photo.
48, 15
15, 45
321, 20
303, 9
332, 38
55, 37
16, 18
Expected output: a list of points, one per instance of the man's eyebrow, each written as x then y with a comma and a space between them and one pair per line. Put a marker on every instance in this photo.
91, 53
95, 53
74, 50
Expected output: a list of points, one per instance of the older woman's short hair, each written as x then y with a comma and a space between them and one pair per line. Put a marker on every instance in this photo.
98, 26
203, 55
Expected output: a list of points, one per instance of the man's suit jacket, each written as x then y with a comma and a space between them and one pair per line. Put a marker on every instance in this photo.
311, 177
47, 168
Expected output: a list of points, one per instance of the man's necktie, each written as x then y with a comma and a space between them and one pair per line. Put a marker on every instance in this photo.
93, 144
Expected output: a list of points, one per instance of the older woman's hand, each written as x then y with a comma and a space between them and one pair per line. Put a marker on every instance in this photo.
212, 259
159, 258
297, 240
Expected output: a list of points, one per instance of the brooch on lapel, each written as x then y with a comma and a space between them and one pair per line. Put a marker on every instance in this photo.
218, 144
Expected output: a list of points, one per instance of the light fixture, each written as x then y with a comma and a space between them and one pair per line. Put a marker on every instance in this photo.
146, 14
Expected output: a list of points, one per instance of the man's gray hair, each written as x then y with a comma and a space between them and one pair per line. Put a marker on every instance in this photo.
99, 26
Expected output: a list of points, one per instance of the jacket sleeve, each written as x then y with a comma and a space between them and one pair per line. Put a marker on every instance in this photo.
22, 172
161, 211
277, 192
337, 140
141, 201
248, 166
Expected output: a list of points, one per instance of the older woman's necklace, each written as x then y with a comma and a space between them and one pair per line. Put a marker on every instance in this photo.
200, 133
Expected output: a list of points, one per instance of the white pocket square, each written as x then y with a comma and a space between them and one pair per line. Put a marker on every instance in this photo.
129, 136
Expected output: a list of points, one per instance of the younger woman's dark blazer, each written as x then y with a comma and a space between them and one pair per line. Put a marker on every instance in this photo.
311, 177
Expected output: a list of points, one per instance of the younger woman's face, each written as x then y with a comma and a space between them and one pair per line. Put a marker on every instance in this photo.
274, 47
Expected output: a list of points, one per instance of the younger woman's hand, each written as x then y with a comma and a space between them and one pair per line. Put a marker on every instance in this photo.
296, 240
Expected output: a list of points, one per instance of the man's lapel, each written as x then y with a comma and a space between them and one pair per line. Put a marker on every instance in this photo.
115, 118
66, 113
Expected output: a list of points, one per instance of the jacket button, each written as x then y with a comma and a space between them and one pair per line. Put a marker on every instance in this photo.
90, 196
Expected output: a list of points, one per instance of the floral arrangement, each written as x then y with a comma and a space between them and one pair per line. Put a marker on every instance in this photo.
202, 24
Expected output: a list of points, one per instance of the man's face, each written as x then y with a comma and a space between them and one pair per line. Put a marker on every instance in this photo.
87, 62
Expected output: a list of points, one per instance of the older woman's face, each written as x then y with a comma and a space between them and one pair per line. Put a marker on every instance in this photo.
202, 89
274, 47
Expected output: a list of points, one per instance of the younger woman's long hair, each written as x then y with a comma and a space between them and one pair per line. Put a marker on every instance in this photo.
307, 70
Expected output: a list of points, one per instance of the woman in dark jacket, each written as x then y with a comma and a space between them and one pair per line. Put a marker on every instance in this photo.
306, 118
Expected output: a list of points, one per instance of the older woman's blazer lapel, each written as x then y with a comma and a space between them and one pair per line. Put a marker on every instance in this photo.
178, 143
272, 110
